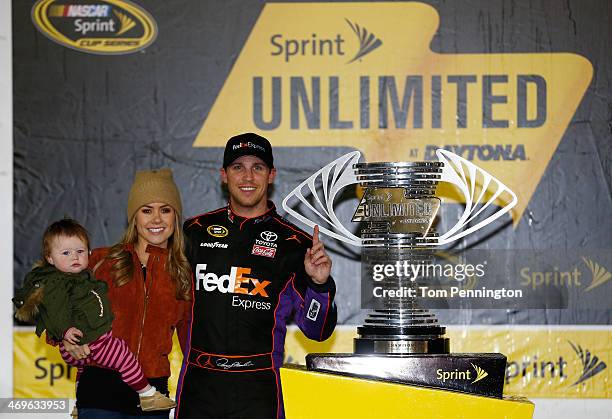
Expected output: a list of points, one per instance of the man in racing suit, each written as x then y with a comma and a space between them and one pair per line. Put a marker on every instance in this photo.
253, 272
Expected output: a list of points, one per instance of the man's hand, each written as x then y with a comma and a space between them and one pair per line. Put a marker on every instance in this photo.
316, 262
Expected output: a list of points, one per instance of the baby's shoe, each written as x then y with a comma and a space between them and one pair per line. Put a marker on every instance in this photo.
156, 402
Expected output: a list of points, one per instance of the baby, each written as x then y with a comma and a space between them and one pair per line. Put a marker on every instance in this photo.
62, 297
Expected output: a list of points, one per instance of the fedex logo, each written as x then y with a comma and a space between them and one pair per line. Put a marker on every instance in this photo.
236, 282
248, 144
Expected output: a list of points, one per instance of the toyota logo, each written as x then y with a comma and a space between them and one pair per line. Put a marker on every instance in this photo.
269, 236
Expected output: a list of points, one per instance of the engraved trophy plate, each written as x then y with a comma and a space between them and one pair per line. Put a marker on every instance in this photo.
403, 213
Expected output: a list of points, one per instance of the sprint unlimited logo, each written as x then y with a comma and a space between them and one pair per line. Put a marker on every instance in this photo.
97, 27
362, 75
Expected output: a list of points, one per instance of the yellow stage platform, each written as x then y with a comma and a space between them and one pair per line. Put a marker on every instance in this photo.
314, 395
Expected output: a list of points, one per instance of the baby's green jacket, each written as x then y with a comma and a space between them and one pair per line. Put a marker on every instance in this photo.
57, 300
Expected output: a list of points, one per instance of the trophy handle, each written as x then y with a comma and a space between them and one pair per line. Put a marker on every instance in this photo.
333, 177
339, 174
462, 173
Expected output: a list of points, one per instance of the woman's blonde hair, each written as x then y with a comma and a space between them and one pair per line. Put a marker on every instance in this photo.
177, 265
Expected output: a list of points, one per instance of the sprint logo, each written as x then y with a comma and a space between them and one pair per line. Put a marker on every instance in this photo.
481, 374
574, 277
109, 27
591, 365
556, 375
217, 231
368, 42
599, 274
323, 46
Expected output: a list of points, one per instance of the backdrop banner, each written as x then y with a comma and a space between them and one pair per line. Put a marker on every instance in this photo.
559, 362
520, 88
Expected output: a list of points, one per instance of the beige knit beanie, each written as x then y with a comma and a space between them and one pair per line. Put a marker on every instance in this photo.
153, 186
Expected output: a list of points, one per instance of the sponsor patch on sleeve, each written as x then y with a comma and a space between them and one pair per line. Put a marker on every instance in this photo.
313, 310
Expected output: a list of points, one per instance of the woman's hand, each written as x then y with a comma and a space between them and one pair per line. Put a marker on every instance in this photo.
76, 351
73, 335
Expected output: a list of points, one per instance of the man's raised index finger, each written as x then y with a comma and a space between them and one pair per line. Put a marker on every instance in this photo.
315, 235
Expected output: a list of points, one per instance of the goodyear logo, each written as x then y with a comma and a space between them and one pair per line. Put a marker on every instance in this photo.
363, 75
96, 27
217, 231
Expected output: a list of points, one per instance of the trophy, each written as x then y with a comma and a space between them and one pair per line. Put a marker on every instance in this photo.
399, 207
402, 341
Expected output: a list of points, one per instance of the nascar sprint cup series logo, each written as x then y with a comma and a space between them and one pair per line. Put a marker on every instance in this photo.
105, 27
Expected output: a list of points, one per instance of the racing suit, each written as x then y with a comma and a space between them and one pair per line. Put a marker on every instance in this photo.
249, 281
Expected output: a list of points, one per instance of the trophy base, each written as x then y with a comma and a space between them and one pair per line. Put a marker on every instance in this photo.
480, 373
341, 396
384, 346
390, 339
